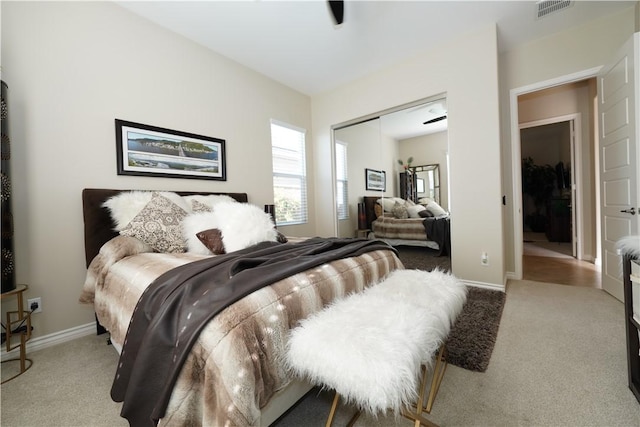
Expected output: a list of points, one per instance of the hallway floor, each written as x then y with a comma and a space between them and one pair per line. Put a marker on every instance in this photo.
551, 262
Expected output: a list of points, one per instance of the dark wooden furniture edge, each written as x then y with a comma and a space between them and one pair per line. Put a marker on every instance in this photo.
369, 208
631, 328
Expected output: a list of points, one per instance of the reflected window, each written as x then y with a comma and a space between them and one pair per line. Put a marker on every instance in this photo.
342, 185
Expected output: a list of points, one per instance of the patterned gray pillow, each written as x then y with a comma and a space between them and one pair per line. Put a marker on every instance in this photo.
400, 211
197, 207
158, 225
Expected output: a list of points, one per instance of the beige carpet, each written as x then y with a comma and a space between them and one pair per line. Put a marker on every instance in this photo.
559, 360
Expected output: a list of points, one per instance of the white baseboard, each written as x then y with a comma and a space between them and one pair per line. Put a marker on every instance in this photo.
50, 340
490, 286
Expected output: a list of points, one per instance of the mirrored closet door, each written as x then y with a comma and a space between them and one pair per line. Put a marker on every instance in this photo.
367, 154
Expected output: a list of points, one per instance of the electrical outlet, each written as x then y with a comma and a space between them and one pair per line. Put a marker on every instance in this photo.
37, 302
484, 259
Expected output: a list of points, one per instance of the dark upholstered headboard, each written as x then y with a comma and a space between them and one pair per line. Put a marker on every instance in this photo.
369, 209
98, 226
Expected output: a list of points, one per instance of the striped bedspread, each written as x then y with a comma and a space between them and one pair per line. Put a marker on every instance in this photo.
386, 227
234, 368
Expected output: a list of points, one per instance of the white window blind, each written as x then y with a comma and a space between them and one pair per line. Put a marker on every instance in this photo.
342, 184
289, 173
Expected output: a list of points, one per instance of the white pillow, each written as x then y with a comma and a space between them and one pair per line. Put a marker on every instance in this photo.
241, 225
210, 200
125, 206
192, 225
413, 211
435, 209
387, 203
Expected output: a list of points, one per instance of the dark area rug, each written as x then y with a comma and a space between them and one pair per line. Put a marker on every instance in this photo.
473, 337
415, 257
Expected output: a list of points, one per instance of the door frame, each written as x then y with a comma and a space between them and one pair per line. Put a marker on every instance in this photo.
516, 167
575, 121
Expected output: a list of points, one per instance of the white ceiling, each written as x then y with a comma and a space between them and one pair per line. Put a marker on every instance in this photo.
297, 44
409, 122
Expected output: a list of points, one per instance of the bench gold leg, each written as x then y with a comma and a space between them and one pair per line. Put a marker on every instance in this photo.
414, 414
438, 373
353, 419
332, 413
419, 420
439, 368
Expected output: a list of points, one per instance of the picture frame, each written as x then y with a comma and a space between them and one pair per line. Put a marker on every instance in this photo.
145, 150
375, 180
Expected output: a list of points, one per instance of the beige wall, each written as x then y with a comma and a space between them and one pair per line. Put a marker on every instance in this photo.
465, 70
572, 51
72, 68
427, 150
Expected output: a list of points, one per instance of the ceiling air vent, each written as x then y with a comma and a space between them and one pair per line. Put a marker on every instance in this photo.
547, 7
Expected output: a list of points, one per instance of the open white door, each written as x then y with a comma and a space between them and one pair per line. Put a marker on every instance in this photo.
618, 85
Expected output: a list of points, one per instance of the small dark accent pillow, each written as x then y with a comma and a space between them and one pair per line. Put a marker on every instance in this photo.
425, 214
282, 238
212, 239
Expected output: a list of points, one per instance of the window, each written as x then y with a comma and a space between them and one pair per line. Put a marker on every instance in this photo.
342, 185
289, 173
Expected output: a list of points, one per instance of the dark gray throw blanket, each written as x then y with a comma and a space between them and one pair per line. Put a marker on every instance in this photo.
439, 230
176, 307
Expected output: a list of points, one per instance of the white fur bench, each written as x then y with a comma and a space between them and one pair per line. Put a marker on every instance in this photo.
369, 347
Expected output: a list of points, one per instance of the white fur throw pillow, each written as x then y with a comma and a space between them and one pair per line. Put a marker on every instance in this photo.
125, 206
192, 225
241, 225
629, 245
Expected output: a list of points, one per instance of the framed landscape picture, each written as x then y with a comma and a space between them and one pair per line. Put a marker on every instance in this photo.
145, 150
375, 180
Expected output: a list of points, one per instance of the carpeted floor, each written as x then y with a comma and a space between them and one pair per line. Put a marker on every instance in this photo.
473, 337
559, 360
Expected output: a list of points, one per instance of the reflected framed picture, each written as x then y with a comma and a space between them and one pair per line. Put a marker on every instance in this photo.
145, 150
375, 180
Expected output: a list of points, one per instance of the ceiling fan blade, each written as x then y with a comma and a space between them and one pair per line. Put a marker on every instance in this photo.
337, 10
437, 119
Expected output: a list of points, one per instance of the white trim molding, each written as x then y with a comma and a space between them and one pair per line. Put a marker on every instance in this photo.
484, 285
51, 340
516, 176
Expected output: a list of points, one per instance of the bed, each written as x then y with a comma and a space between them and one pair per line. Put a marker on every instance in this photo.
432, 231
233, 373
